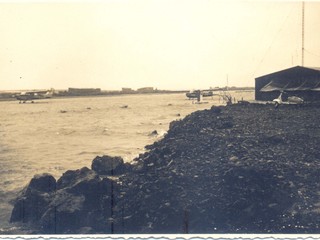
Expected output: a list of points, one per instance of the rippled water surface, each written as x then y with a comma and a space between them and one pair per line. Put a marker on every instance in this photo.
56, 135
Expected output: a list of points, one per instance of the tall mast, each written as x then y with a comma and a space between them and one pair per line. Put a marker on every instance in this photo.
302, 35
227, 82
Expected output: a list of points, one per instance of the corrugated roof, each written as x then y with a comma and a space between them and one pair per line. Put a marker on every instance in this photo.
292, 80
292, 68
289, 85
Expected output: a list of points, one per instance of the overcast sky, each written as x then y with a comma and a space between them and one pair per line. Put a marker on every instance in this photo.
166, 44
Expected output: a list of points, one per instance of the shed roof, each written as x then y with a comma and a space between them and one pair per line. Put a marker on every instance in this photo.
293, 79
288, 85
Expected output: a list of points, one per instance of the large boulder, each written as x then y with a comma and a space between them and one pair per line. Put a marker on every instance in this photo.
43, 182
33, 200
82, 204
80, 201
72, 178
107, 165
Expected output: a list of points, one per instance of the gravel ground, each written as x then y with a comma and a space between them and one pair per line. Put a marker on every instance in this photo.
244, 168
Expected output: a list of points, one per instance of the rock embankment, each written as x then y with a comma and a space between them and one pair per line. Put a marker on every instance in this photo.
236, 169
80, 201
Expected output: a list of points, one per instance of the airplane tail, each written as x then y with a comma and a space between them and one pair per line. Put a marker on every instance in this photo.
50, 93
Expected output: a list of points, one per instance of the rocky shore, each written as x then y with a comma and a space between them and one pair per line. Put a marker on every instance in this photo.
243, 168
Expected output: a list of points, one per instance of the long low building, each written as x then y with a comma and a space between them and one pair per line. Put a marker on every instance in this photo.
145, 90
84, 91
296, 81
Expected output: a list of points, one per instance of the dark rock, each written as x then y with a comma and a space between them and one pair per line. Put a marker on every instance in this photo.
107, 165
274, 139
71, 178
154, 133
30, 207
87, 204
43, 183
216, 110
243, 102
225, 123
84, 202
81, 201
32, 202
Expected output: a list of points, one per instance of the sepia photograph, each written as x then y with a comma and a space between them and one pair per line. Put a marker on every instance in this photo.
129, 117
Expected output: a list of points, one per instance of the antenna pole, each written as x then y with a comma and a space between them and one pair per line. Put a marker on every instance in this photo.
227, 82
302, 40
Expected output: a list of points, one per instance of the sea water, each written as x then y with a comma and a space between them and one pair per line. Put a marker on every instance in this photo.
56, 135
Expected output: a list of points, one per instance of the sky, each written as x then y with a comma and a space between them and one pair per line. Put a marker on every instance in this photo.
165, 44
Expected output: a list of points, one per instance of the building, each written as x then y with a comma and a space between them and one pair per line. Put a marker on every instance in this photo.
127, 90
145, 90
84, 91
296, 81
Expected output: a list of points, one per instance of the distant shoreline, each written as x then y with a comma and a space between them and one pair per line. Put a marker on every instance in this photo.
8, 96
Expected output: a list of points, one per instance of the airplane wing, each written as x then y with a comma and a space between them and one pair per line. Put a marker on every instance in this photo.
36, 92
34, 95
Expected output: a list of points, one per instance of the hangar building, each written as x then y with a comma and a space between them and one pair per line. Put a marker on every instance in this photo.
296, 81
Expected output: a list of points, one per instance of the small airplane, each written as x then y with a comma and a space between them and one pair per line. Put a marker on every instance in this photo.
202, 93
291, 100
23, 97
